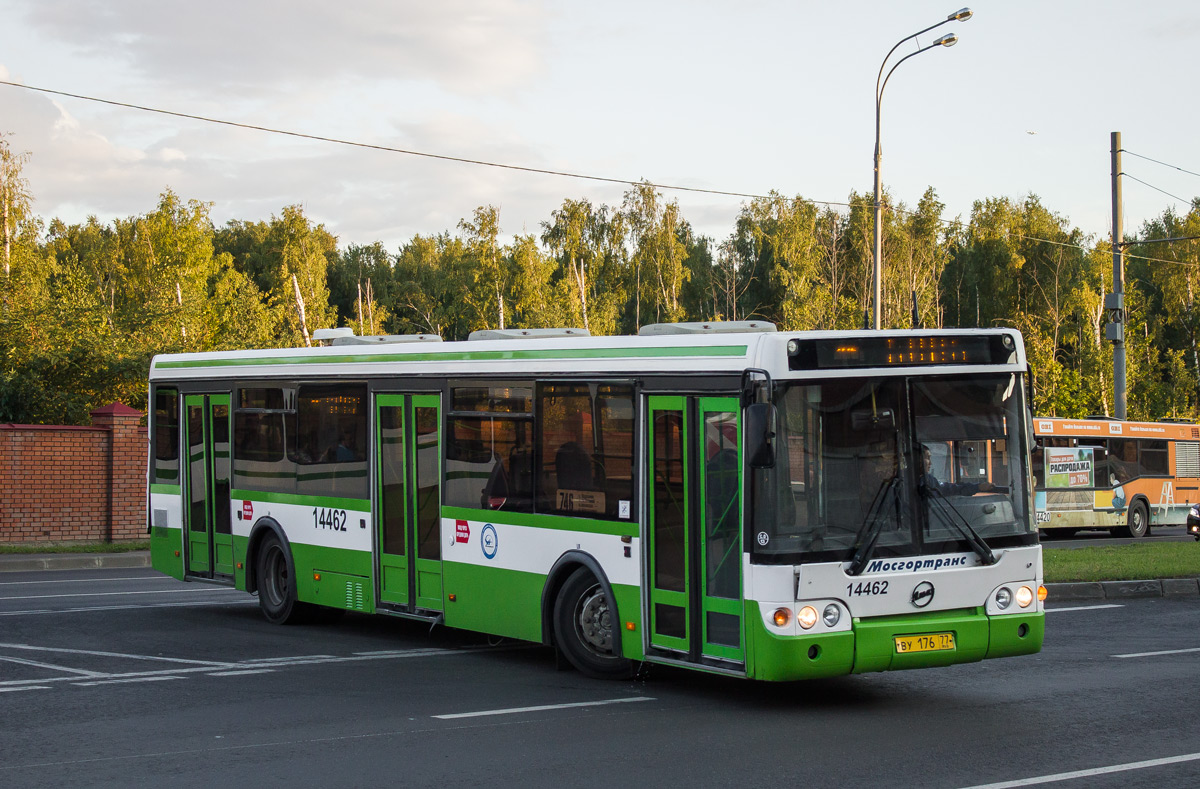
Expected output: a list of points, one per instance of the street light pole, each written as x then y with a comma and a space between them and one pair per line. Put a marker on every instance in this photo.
949, 40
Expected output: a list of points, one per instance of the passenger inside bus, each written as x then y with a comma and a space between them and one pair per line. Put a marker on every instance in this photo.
948, 488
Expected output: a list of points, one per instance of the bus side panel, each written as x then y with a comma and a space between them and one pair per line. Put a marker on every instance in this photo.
494, 571
493, 600
334, 577
166, 532
629, 611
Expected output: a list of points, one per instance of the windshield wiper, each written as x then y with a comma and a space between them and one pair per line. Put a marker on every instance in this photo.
867, 536
964, 527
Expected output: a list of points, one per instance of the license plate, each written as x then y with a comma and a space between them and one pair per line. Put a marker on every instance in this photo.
929, 642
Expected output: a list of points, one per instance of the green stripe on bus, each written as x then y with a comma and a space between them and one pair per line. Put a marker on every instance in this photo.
159, 488
464, 356
358, 505
558, 522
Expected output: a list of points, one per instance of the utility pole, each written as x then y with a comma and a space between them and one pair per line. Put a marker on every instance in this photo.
1114, 303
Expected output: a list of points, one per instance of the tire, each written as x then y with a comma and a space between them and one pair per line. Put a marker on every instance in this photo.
1139, 522
277, 584
583, 628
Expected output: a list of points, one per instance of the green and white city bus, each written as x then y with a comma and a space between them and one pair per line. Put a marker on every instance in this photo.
771, 505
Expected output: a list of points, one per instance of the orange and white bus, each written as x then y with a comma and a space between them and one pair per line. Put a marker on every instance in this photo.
1126, 477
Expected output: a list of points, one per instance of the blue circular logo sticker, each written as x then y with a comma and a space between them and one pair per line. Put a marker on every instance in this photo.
488, 541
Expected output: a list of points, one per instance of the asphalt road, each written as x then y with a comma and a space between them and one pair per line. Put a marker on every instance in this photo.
1086, 539
124, 677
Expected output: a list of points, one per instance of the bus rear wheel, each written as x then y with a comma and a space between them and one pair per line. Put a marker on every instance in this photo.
583, 628
1138, 525
277, 584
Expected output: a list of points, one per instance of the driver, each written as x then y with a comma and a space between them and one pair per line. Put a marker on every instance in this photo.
949, 488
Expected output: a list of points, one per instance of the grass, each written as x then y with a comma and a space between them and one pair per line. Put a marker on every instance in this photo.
1131, 562
80, 547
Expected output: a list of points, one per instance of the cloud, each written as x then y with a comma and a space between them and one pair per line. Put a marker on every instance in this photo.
466, 47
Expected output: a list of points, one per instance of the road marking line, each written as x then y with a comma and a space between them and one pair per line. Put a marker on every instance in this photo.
123, 680
1085, 608
90, 580
208, 667
1116, 768
51, 666
85, 609
96, 653
1156, 654
27, 687
196, 590
241, 673
540, 708
285, 659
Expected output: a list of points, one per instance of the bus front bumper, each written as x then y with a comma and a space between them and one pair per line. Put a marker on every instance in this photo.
871, 644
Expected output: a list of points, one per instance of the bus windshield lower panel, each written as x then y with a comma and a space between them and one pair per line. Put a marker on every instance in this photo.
917, 463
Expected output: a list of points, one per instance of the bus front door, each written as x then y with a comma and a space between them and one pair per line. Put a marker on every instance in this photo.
408, 515
210, 538
695, 528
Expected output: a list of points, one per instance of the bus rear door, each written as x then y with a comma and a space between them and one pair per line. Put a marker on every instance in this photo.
209, 533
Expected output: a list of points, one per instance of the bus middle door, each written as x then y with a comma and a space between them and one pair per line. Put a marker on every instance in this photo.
408, 463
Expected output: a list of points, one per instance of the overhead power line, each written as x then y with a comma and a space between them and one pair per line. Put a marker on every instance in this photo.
539, 170
1156, 161
407, 152
1155, 188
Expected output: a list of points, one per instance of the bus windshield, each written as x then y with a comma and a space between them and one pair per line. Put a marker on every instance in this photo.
917, 466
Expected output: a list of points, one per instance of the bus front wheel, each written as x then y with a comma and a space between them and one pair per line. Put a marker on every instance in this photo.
277, 584
583, 628
1138, 525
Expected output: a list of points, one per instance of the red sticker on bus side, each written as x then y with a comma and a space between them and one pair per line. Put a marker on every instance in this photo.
462, 532
247, 511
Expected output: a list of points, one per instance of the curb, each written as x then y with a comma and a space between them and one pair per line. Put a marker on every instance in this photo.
1118, 590
72, 561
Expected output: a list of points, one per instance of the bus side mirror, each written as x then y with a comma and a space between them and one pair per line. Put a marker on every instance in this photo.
760, 435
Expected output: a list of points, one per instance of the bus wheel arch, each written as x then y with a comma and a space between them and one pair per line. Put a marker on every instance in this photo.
578, 587
262, 528
275, 575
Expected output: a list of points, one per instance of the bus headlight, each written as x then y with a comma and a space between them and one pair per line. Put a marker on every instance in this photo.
831, 615
1003, 597
807, 617
1024, 596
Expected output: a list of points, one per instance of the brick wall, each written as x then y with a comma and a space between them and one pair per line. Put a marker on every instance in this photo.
74, 484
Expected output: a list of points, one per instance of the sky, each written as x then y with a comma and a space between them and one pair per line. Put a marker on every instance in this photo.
747, 97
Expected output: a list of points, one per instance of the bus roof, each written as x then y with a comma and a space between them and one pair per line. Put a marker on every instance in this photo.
722, 352
1113, 428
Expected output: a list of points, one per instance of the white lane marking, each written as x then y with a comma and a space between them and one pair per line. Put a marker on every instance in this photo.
131, 607
207, 668
1156, 654
27, 687
241, 673
96, 653
91, 580
285, 659
540, 708
52, 667
195, 590
1116, 768
1085, 608
122, 680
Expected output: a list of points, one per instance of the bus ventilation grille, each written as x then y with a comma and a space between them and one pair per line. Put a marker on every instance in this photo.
1196, 432
1187, 459
355, 599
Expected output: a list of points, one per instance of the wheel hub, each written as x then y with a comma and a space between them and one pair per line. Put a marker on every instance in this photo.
594, 621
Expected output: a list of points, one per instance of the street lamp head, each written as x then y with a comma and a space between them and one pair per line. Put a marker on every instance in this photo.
961, 15
947, 40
